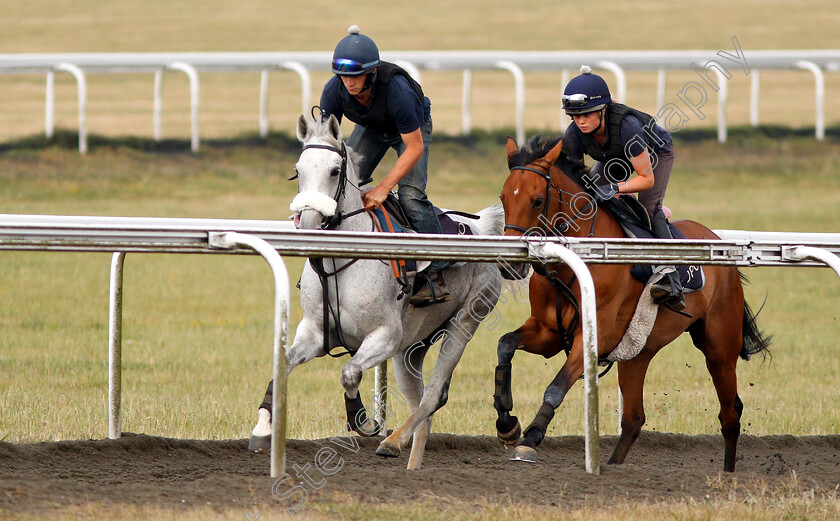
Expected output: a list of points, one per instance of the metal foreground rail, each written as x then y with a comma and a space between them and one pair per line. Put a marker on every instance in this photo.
271, 239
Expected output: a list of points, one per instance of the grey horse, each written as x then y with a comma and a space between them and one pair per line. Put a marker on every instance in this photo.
374, 324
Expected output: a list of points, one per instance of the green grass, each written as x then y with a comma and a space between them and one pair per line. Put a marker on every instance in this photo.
197, 329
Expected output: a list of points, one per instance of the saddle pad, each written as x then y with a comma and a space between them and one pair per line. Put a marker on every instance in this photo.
692, 277
448, 225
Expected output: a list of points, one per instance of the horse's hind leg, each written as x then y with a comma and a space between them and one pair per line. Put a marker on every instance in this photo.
631, 381
435, 396
722, 347
408, 371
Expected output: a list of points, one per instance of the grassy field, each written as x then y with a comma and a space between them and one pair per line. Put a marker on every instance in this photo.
197, 329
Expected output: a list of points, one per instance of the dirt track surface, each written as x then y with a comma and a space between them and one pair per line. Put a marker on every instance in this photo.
149, 470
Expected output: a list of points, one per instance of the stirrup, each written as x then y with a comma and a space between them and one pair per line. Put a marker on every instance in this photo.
665, 295
422, 299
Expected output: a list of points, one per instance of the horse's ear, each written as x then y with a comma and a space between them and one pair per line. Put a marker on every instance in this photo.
511, 147
302, 128
335, 127
554, 153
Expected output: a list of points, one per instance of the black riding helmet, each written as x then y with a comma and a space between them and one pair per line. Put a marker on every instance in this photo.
355, 54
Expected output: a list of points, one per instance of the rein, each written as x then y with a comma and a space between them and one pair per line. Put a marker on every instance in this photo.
563, 289
317, 263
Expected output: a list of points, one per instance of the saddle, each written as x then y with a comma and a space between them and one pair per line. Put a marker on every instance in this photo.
391, 218
448, 225
635, 223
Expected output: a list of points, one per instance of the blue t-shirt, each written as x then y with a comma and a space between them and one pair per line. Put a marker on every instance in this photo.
634, 140
403, 105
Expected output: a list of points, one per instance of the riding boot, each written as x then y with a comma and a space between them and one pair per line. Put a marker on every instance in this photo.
668, 290
432, 289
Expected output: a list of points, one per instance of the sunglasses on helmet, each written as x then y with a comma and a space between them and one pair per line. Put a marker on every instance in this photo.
351, 66
577, 100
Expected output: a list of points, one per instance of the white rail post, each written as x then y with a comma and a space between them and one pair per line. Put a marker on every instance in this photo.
801, 253
819, 93
264, 75
661, 80
722, 96
754, 85
230, 240
81, 84
466, 114
115, 306
589, 322
157, 107
564, 118
191, 73
620, 79
49, 106
380, 402
305, 84
411, 69
519, 82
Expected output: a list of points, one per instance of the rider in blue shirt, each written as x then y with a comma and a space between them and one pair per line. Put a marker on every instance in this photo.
390, 111
623, 141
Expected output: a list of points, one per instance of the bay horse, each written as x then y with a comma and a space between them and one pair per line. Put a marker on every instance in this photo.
544, 194
357, 304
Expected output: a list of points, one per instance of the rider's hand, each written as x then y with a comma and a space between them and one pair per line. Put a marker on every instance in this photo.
375, 197
606, 192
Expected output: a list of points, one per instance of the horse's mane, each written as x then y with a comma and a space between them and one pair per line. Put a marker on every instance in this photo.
537, 147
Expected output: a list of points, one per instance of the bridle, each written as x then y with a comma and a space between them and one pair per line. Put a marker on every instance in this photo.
563, 289
546, 224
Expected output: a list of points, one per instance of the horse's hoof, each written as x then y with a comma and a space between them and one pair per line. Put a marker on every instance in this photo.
388, 450
511, 437
368, 429
524, 453
260, 444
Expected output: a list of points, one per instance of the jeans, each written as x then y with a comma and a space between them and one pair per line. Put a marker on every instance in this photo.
372, 146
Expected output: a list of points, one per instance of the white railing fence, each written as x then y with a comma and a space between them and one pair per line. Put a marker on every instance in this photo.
272, 239
712, 67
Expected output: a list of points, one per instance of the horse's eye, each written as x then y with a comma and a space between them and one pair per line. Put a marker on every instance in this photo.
538, 202
335, 171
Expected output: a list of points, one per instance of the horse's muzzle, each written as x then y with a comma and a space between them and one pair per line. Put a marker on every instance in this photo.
309, 219
516, 271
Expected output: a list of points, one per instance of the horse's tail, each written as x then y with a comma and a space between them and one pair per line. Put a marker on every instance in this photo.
755, 340
492, 220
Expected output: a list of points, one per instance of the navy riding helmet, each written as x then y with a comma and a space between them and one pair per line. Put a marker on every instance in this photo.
355, 54
586, 93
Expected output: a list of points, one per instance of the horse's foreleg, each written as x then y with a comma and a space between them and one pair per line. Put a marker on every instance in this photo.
554, 395
631, 381
507, 426
377, 347
536, 338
